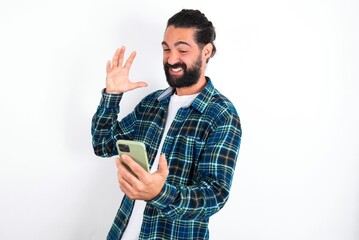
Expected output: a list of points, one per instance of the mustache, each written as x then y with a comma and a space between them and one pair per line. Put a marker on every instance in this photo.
177, 65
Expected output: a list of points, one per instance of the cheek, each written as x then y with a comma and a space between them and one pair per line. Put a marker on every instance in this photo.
186, 59
164, 57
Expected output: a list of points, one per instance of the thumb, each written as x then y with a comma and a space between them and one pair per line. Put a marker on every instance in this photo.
162, 165
135, 85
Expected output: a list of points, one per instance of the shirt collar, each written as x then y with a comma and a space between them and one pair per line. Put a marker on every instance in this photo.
200, 102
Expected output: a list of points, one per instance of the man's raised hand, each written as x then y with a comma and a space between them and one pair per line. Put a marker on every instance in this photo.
117, 80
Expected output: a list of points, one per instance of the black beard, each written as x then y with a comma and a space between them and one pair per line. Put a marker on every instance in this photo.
189, 78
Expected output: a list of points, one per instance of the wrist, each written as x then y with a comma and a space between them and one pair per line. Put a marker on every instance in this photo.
109, 91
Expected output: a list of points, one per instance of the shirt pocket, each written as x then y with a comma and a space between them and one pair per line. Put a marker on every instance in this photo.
183, 159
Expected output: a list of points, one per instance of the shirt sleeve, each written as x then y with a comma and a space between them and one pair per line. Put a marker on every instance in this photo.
105, 128
212, 184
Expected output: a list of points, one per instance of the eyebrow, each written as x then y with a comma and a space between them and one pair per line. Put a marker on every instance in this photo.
177, 43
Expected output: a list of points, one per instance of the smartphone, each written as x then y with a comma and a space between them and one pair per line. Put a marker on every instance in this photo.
134, 149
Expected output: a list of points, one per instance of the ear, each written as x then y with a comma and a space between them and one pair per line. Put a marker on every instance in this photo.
207, 51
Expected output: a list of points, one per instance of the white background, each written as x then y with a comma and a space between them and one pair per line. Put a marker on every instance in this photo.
290, 67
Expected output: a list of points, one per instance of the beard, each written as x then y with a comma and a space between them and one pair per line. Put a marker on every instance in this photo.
189, 77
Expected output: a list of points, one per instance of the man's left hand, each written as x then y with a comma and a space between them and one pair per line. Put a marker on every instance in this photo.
147, 186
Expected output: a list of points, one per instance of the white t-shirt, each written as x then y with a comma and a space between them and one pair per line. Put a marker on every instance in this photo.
134, 226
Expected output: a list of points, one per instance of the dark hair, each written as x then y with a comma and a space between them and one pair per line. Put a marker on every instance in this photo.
188, 18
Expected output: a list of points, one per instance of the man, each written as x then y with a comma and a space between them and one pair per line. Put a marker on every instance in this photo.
192, 135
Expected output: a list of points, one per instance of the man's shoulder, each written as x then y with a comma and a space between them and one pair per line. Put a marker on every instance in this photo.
216, 103
221, 104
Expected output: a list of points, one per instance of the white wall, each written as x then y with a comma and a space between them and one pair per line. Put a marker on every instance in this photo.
290, 67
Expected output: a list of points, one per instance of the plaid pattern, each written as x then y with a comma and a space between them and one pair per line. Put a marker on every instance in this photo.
201, 149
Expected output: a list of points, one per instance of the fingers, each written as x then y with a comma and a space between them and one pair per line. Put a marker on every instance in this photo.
142, 174
118, 162
129, 61
147, 185
126, 189
115, 58
120, 58
108, 66
162, 166
128, 183
124, 174
135, 167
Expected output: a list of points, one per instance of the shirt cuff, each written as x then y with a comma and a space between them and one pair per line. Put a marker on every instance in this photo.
165, 197
110, 100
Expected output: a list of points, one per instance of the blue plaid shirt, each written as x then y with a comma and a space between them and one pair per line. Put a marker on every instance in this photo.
201, 148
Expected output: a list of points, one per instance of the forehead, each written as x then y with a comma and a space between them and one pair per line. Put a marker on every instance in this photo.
175, 35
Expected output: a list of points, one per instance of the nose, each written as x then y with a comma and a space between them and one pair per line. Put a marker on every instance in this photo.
172, 58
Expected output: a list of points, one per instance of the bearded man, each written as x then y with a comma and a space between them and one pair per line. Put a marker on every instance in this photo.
191, 131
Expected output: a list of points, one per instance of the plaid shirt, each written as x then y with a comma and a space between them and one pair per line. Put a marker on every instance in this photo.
201, 148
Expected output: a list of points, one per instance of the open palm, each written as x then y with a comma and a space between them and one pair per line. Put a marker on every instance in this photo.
117, 80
